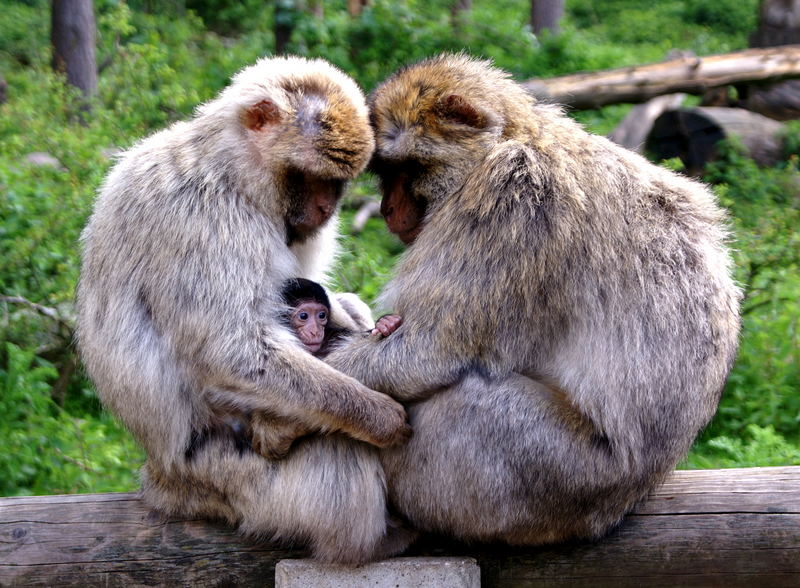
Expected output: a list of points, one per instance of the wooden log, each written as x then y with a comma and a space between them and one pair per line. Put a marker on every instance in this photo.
777, 101
691, 75
692, 135
632, 132
701, 528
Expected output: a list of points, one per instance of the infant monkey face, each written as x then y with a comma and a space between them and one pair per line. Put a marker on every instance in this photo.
308, 320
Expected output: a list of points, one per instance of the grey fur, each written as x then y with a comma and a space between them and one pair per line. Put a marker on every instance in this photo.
179, 314
597, 317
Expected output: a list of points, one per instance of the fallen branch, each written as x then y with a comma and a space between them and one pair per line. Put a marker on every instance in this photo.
369, 209
43, 310
47, 311
692, 75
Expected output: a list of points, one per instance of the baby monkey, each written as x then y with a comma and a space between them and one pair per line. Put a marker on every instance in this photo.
308, 317
309, 310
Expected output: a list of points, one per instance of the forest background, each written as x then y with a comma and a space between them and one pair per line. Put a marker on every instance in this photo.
158, 60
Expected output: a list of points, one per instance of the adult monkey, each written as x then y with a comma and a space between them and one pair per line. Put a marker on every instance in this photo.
569, 315
179, 312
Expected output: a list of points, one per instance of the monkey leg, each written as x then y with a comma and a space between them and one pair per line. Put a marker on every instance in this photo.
329, 493
497, 460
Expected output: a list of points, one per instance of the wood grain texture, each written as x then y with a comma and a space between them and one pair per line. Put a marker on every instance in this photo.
692, 75
701, 528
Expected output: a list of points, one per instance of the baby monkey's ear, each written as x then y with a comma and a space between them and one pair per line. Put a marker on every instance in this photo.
261, 114
455, 108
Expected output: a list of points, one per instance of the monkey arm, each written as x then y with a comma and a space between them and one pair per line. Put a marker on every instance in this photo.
445, 333
455, 288
293, 385
350, 312
398, 366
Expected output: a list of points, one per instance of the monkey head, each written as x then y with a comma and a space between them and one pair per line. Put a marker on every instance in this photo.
308, 311
433, 122
305, 128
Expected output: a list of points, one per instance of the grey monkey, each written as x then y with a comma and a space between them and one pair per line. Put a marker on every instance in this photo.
179, 326
598, 318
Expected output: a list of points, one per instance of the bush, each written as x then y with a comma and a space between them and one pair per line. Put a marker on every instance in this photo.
729, 16
47, 450
762, 389
757, 447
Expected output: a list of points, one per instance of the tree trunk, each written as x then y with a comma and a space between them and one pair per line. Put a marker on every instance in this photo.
692, 75
458, 9
317, 9
545, 14
354, 7
284, 24
778, 24
73, 38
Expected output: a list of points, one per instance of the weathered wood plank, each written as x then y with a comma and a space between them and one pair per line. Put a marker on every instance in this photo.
701, 528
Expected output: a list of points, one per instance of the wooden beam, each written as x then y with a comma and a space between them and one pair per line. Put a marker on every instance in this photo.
692, 75
733, 528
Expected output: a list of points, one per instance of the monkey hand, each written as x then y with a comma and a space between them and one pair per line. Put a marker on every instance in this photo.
272, 437
383, 422
387, 324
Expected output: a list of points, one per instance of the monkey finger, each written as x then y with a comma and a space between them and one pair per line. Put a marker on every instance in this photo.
387, 324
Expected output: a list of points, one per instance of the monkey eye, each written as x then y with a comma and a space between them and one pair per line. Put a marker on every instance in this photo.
322, 315
303, 316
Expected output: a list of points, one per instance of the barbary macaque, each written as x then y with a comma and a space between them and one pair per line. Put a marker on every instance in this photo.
180, 313
309, 312
597, 316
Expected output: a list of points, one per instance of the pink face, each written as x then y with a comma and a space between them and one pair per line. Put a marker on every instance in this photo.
403, 215
308, 320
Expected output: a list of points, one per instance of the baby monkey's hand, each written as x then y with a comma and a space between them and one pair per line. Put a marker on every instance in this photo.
387, 324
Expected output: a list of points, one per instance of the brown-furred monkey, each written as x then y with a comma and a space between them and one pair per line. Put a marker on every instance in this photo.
179, 312
597, 317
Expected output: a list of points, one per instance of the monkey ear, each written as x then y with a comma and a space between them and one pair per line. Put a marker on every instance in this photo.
260, 115
456, 109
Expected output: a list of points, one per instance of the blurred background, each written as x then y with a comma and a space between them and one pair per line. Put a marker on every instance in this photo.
80, 81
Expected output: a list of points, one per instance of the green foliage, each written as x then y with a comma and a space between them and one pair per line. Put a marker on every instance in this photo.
757, 447
158, 60
366, 260
235, 17
383, 37
762, 389
730, 16
46, 450
702, 26
24, 34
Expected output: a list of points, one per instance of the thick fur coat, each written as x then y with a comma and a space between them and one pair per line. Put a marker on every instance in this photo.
180, 313
569, 313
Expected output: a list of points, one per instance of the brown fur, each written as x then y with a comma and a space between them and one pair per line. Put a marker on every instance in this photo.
179, 307
598, 317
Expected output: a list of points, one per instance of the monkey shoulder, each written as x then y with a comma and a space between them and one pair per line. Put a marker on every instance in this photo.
512, 174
